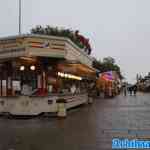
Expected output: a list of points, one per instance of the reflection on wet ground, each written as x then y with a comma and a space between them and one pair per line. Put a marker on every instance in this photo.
85, 128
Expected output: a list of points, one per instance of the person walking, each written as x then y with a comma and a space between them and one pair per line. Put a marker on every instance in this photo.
130, 89
135, 89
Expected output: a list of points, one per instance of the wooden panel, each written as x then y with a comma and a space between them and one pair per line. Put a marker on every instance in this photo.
12, 53
46, 52
12, 48
46, 43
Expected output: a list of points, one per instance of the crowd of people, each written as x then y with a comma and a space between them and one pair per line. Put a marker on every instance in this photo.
131, 90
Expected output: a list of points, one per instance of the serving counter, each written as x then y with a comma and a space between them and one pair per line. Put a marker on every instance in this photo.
35, 105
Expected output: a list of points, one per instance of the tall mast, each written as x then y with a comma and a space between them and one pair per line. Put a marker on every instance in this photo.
19, 17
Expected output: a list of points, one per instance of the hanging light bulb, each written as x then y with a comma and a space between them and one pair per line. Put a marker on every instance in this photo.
32, 68
22, 68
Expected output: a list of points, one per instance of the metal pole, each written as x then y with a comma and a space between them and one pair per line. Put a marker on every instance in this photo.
19, 17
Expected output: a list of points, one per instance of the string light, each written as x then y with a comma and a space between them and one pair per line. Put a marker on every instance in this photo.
70, 76
32, 68
22, 68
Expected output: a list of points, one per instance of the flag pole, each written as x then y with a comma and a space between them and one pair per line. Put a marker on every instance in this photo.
19, 17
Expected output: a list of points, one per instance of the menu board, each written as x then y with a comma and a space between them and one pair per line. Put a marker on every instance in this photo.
16, 85
9, 83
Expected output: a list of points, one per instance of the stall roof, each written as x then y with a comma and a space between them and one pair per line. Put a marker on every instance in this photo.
71, 51
45, 36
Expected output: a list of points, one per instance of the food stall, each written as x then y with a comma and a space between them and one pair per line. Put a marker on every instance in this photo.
108, 84
42, 74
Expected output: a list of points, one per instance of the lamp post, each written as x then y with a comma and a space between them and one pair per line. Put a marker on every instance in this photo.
19, 17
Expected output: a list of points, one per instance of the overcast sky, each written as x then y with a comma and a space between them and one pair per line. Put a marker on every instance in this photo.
117, 28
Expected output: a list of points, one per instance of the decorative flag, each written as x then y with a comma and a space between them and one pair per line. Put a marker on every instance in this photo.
107, 75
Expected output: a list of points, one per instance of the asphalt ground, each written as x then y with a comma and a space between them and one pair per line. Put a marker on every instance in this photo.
89, 127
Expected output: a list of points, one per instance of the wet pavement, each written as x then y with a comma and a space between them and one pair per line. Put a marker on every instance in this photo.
89, 127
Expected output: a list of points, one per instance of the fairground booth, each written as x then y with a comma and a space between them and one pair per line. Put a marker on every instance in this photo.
108, 84
37, 71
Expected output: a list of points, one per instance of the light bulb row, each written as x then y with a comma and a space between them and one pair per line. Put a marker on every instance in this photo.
22, 68
70, 76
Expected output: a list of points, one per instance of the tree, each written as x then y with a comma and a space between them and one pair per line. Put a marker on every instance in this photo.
108, 64
109, 60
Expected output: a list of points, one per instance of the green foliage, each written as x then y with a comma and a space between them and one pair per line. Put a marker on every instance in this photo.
109, 60
108, 64
55, 31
